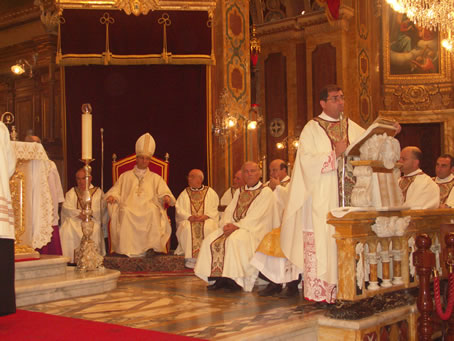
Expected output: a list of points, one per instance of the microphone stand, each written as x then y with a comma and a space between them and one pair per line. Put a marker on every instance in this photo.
344, 159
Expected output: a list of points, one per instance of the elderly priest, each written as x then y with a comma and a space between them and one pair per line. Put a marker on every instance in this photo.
197, 216
225, 254
137, 204
72, 217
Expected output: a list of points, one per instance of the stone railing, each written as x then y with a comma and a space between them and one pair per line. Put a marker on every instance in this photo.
368, 264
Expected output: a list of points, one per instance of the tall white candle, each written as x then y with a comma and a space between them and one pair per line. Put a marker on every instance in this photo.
86, 136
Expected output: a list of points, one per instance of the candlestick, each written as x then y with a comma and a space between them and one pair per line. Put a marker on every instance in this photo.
86, 132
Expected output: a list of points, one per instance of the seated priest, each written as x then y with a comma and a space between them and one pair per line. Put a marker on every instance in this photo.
72, 216
196, 216
269, 259
137, 202
418, 189
225, 254
228, 194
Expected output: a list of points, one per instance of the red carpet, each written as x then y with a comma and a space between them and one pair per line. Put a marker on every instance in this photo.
27, 325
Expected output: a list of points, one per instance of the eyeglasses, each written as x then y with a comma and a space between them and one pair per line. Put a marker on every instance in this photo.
335, 99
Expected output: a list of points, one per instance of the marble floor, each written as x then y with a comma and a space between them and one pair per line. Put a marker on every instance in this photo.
179, 303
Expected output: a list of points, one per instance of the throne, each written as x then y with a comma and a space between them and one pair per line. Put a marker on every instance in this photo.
157, 165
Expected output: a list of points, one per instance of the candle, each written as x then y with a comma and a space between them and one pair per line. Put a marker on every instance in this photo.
86, 132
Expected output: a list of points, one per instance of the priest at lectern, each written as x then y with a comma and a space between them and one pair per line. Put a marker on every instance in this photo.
8, 162
136, 207
306, 238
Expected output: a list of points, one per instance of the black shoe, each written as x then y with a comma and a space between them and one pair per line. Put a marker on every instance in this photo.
289, 291
218, 284
271, 289
231, 286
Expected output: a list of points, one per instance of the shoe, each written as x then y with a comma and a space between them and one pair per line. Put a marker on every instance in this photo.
218, 284
232, 286
289, 291
150, 253
271, 289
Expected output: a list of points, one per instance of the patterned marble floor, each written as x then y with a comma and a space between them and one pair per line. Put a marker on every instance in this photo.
180, 304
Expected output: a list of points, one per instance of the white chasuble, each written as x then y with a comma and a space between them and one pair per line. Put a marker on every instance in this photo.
8, 162
71, 229
139, 221
419, 190
306, 239
195, 202
446, 193
251, 211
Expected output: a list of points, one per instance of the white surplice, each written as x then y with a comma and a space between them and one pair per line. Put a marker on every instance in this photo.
56, 191
422, 193
138, 220
71, 228
227, 197
8, 162
306, 238
183, 212
242, 243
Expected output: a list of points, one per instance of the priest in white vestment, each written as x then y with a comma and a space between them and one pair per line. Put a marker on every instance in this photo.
445, 180
196, 215
7, 233
72, 217
306, 238
225, 254
274, 267
137, 203
418, 189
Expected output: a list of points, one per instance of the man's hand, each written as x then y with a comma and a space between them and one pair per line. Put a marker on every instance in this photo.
274, 182
192, 218
229, 229
198, 218
167, 200
398, 127
340, 147
111, 200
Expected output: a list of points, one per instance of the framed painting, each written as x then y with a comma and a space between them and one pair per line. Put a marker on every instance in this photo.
412, 53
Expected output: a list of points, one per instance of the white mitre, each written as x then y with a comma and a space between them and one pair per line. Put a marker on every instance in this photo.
145, 145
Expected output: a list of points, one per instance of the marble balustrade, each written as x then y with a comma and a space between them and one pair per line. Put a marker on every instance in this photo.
369, 265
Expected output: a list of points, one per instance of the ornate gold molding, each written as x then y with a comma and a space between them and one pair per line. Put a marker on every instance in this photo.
170, 5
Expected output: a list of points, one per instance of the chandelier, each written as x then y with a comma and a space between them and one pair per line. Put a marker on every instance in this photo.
229, 123
429, 14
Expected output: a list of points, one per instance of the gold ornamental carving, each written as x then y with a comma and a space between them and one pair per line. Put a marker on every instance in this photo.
417, 97
137, 7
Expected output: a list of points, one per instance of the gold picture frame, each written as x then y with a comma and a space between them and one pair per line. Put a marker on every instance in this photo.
410, 53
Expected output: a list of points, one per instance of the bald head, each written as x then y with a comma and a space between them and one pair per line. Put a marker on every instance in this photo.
278, 169
32, 138
410, 158
251, 173
195, 178
81, 181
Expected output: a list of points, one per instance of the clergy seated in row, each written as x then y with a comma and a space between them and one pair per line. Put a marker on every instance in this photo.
196, 216
53, 247
274, 267
418, 189
445, 180
225, 255
137, 207
227, 197
72, 217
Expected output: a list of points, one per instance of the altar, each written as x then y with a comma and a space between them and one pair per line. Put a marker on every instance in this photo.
31, 190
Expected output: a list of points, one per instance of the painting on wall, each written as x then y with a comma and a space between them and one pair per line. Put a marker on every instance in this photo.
410, 51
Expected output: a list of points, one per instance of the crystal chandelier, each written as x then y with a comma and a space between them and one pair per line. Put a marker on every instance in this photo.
429, 14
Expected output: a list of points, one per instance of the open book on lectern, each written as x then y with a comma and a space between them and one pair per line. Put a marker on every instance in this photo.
378, 127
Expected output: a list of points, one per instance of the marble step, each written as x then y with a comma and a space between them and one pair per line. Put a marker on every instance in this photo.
154, 263
46, 266
70, 284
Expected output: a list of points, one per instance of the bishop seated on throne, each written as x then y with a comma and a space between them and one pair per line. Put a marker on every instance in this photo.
137, 206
